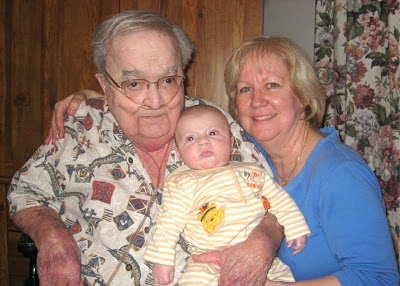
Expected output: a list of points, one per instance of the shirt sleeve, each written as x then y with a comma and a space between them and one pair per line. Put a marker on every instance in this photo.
37, 183
171, 219
285, 209
354, 223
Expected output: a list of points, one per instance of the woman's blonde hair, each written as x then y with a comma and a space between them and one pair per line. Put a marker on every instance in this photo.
303, 78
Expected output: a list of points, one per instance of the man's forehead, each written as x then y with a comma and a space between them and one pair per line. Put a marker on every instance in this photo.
137, 56
139, 37
139, 73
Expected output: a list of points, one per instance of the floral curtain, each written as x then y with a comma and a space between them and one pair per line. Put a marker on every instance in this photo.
357, 55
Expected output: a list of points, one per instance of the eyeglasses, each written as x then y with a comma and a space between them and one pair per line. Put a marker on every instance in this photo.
135, 88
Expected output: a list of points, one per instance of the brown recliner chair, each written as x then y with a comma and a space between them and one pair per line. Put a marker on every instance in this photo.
27, 247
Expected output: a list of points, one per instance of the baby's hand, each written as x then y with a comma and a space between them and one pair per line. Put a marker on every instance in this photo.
300, 244
163, 274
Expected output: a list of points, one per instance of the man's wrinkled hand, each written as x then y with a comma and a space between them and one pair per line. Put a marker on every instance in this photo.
246, 263
59, 263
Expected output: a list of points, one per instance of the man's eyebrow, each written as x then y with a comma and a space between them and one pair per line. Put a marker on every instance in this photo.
140, 74
133, 73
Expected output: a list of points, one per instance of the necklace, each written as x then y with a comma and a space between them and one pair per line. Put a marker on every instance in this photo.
285, 181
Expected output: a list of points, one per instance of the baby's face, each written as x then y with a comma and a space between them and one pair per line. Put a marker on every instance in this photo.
204, 140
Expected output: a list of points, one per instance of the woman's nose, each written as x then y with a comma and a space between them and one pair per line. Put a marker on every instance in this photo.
259, 98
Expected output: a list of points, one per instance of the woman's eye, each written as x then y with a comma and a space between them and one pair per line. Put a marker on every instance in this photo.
244, 89
272, 85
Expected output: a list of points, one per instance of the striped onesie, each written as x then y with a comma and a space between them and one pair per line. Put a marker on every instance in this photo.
216, 208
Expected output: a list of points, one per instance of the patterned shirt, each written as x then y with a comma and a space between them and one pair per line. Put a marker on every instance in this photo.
95, 180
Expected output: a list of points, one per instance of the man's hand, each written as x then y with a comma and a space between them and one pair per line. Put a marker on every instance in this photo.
247, 263
59, 261
70, 105
59, 258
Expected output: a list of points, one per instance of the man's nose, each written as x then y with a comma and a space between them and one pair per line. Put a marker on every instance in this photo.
153, 97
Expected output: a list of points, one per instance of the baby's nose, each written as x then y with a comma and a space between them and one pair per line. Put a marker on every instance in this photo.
204, 141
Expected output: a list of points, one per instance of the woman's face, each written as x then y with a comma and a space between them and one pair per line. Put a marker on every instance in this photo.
268, 108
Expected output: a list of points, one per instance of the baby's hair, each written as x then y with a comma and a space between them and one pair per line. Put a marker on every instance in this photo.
198, 109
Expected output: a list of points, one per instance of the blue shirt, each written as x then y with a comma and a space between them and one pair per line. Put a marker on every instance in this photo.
341, 200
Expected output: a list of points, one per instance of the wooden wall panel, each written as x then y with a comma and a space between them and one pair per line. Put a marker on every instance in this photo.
20, 101
25, 79
4, 131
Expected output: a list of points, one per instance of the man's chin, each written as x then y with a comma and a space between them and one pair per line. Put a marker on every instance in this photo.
152, 141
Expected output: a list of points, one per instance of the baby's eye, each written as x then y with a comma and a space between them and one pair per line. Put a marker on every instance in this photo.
213, 133
191, 138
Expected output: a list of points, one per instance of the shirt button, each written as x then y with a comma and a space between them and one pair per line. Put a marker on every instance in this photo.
128, 267
130, 160
146, 229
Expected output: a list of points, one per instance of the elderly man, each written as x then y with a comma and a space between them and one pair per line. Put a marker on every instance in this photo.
89, 201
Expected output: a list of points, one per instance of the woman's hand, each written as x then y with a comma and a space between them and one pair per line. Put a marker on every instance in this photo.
70, 105
248, 262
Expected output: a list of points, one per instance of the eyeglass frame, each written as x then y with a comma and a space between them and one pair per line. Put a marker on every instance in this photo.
148, 82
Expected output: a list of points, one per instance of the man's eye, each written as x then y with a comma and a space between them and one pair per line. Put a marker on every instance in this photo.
168, 81
135, 84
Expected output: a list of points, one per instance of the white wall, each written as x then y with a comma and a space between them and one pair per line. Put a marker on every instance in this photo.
293, 19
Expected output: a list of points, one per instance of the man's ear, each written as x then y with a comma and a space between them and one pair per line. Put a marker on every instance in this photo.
102, 81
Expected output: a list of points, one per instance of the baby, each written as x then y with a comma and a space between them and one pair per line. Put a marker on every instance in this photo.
216, 202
